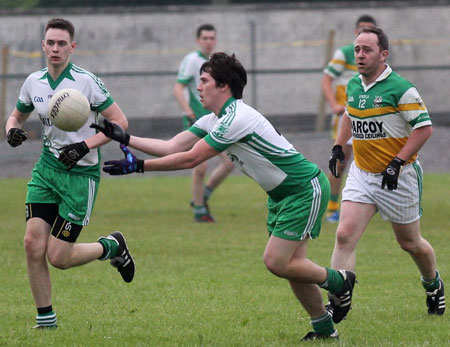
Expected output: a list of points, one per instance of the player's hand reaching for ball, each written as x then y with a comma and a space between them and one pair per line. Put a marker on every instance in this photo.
71, 154
125, 166
113, 131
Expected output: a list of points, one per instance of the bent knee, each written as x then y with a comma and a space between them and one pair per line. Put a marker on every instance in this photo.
58, 261
274, 265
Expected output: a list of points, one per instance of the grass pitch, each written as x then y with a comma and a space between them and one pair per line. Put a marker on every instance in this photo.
206, 285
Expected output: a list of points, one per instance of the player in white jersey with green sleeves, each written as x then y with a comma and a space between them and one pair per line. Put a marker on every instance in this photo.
64, 183
338, 71
389, 124
187, 81
297, 190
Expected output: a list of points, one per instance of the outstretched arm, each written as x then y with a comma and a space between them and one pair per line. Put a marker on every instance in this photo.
113, 114
179, 143
184, 141
182, 160
176, 161
72, 153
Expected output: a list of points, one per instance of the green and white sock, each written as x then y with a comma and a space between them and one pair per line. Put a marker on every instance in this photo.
334, 281
46, 317
323, 324
110, 247
431, 285
200, 210
207, 193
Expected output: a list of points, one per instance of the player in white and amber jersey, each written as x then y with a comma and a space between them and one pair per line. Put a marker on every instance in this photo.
382, 118
389, 124
339, 70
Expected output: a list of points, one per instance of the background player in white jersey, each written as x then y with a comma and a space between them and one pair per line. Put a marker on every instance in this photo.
389, 124
297, 190
188, 78
63, 187
339, 70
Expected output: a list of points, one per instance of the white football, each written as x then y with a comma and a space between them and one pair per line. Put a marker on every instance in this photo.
69, 109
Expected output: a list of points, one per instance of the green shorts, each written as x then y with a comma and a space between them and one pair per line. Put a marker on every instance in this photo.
299, 216
74, 194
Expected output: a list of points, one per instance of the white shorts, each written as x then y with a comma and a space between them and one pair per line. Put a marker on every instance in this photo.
399, 206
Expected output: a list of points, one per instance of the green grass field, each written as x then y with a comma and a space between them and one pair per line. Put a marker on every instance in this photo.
206, 285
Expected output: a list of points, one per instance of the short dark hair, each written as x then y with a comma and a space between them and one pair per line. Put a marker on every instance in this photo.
226, 70
366, 18
383, 41
205, 27
63, 24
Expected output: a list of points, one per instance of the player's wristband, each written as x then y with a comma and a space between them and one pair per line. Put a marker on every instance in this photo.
140, 166
400, 161
126, 141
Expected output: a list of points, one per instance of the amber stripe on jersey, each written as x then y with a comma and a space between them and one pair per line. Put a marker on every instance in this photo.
347, 66
374, 155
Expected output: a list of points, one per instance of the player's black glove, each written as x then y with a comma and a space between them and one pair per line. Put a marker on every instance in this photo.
336, 153
16, 136
390, 174
113, 131
125, 166
72, 153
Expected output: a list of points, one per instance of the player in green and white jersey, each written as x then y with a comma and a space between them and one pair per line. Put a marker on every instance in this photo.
187, 80
64, 183
297, 190
339, 70
389, 124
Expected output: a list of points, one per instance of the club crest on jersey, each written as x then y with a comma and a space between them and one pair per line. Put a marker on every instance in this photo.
377, 101
419, 101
